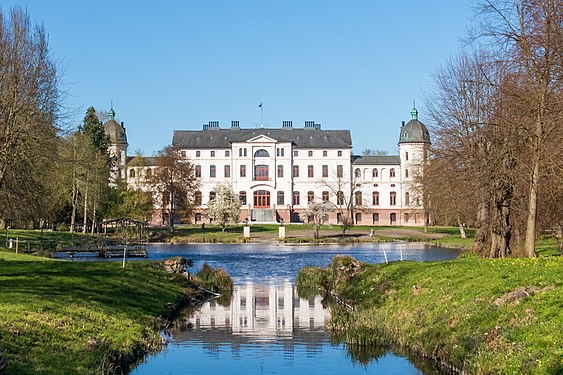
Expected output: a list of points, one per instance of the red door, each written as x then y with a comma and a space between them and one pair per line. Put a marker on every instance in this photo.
261, 199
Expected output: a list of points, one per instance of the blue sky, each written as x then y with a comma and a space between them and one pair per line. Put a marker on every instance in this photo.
170, 65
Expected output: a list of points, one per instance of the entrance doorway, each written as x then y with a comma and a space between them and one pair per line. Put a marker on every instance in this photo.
261, 199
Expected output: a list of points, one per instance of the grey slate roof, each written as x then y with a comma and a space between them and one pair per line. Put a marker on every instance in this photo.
301, 138
115, 132
138, 161
414, 132
376, 160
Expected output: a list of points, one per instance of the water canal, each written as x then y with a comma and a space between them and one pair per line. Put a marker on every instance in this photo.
266, 328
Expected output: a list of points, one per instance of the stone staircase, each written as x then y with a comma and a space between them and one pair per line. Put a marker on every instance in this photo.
262, 215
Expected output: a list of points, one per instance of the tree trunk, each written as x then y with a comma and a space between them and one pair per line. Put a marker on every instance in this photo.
482, 226
93, 218
461, 229
530, 241
73, 214
85, 225
501, 230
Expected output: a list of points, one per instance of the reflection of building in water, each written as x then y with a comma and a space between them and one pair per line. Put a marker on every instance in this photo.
263, 311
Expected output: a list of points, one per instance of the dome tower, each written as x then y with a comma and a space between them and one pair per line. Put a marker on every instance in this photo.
117, 145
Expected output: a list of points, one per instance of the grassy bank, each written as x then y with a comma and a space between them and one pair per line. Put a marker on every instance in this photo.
484, 316
60, 317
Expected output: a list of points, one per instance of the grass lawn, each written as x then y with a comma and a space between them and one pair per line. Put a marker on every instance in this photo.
59, 317
451, 310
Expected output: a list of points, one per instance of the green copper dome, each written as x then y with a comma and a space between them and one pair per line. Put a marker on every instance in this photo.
414, 131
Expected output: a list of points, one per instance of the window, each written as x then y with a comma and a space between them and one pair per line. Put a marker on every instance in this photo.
198, 217
261, 172
393, 217
296, 198
197, 154
242, 197
295, 153
339, 171
243, 170
325, 196
375, 217
338, 217
358, 198
339, 152
282, 152
245, 152
375, 198
281, 198
212, 195
227, 153
407, 217
212, 154
325, 170
407, 199
198, 170
393, 198
310, 171
406, 173
310, 196
340, 198
148, 173
280, 171
183, 153
392, 172
374, 173
261, 153
357, 173
295, 171
212, 171
131, 173
240, 152
278, 152
197, 198
261, 199
227, 171
407, 155
358, 217
310, 153
325, 153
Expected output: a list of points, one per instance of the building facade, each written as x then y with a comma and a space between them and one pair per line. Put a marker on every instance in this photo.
278, 172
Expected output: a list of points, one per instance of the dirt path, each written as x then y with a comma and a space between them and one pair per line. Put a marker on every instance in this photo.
360, 235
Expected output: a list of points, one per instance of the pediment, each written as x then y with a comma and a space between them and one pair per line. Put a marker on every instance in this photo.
261, 139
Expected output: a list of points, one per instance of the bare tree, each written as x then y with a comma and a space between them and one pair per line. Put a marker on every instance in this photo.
174, 184
318, 211
30, 103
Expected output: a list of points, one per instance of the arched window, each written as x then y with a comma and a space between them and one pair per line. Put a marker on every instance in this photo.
374, 173
198, 170
227, 171
212, 171
325, 196
392, 172
406, 155
375, 198
240, 152
340, 198
358, 198
131, 173
242, 197
358, 173
310, 196
197, 198
282, 152
407, 199
261, 153
339, 217
245, 154
243, 170
325, 170
393, 218
393, 198
212, 195
339, 171
198, 217
281, 198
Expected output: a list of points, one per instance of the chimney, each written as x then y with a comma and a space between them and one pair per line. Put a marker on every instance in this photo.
287, 124
312, 125
403, 124
123, 125
235, 125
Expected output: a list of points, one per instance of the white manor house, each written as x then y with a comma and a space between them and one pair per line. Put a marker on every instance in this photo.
277, 172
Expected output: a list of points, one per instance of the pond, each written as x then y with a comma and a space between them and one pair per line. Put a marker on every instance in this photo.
266, 328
